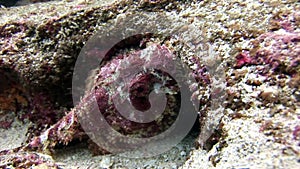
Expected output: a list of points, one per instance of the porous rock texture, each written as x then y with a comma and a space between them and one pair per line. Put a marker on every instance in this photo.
257, 43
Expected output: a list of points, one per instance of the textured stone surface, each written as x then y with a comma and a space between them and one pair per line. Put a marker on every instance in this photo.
257, 43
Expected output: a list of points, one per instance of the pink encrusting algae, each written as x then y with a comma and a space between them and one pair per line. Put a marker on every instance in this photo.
37, 65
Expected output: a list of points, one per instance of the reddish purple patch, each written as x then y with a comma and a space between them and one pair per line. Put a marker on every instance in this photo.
296, 133
5, 124
278, 52
243, 59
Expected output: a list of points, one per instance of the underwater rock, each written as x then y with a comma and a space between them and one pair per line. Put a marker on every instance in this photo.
38, 54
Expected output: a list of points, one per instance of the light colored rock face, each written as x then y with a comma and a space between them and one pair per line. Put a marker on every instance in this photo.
260, 127
14, 136
40, 12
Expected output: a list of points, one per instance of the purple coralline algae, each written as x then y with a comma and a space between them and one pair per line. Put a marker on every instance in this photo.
37, 60
277, 51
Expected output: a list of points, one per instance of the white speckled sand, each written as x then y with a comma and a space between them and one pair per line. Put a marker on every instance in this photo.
14, 136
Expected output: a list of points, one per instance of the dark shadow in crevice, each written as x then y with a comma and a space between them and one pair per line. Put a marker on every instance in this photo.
13, 3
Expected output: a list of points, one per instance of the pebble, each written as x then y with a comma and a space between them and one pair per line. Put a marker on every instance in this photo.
106, 162
183, 153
